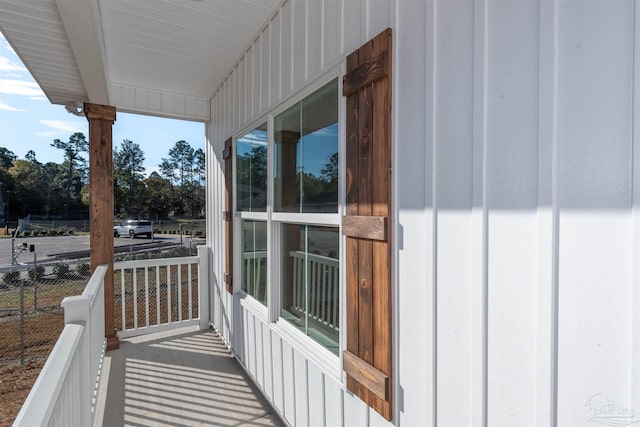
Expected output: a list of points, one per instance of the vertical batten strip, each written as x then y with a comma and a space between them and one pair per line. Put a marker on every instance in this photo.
547, 212
635, 201
553, 392
430, 123
480, 222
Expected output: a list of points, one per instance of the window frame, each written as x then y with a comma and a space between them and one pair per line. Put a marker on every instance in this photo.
270, 314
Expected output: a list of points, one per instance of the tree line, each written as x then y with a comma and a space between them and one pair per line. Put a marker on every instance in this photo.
61, 190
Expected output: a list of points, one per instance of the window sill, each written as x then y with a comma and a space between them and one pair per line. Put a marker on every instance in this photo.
328, 362
254, 306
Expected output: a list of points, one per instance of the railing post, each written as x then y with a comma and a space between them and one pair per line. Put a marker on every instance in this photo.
203, 286
77, 311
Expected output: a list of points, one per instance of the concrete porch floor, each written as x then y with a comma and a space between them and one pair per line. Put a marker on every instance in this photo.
184, 377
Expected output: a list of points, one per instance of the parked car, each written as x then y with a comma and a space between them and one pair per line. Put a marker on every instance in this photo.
133, 228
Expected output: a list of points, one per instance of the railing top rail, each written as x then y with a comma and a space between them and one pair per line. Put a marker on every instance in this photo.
315, 257
95, 282
41, 401
156, 262
254, 255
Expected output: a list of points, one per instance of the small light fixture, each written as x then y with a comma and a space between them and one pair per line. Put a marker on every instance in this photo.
75, 108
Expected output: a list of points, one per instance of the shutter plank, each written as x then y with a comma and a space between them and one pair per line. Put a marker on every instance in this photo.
368, 359
351, 246
365, 193
382, 303
365, 227
352, 209
375, 380
365, 74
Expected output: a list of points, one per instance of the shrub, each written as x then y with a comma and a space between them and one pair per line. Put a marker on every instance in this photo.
26, 233
11, 278
36, 273
61, 270
83, 268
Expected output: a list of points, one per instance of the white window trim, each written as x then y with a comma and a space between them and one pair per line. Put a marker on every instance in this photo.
328, 219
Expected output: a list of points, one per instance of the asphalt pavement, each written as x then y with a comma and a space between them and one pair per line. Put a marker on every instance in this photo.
46, 248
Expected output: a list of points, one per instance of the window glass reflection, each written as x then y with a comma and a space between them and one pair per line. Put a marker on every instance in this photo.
254, 259
306, 146
251, 171
310, 287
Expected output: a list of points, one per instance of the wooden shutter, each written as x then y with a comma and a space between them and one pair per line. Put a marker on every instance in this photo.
228, 214
367, 360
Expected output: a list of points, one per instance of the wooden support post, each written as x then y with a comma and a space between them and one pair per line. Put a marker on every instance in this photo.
101, 118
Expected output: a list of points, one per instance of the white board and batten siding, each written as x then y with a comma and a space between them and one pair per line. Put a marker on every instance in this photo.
516, 192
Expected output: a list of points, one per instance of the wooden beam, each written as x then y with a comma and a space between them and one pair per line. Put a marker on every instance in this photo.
101, 118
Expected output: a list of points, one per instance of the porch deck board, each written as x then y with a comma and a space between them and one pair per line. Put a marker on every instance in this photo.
183, 377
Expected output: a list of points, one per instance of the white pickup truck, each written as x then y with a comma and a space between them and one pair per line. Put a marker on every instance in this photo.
133, 228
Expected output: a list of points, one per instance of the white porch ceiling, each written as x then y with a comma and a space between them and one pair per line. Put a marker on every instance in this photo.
162, 57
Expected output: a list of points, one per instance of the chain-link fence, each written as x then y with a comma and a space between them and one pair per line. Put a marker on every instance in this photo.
31, 318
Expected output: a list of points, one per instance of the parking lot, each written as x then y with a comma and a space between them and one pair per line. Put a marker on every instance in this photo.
47, 248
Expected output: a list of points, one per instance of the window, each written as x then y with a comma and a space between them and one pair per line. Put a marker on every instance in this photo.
297, 200
306, 164
251, 171
310, 296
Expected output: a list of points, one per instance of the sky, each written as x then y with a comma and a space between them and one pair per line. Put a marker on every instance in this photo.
28, 121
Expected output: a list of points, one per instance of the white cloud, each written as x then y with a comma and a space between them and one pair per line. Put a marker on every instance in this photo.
59, 126
7, 107
20, 87
6, 65
38, 98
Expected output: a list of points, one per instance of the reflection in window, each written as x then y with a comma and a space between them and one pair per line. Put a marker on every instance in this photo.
251, 171
254, 259
311, 281
306, 145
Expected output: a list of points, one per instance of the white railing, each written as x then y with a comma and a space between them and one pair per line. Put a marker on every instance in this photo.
66, 389
160, 294
253, 266
321, 274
